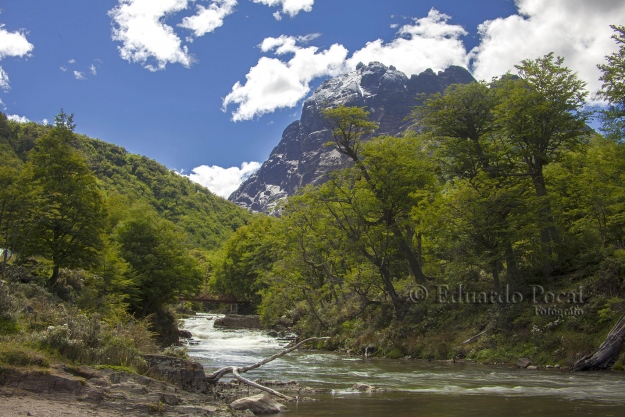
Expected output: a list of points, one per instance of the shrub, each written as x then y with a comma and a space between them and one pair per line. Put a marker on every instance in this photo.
12, 354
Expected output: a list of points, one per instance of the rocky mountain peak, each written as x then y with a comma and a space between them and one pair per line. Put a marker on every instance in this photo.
301, 159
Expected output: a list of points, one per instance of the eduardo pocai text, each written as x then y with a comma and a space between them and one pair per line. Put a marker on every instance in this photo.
546, 303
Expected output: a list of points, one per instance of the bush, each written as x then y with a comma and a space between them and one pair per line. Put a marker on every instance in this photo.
12, 354
8, 326
89, 340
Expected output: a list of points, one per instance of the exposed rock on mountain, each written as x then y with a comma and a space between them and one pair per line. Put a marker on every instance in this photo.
300, 158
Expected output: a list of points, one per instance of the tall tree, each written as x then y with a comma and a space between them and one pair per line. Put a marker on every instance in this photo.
21, 207
70, 232
160, 264
472, 159
613, 88
463, 123
541, 115
348, 126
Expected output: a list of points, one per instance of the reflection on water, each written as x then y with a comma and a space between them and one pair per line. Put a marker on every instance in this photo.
412, 387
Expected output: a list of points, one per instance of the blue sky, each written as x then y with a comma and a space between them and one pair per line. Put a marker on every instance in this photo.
209, 85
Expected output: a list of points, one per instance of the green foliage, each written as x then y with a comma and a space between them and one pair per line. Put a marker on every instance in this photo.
613, 88
21, 205
69, 232
159, 263
348, 125
13, 354
8, 326
244, 258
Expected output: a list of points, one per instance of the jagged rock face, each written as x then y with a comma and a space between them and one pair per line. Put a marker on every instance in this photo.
301, 159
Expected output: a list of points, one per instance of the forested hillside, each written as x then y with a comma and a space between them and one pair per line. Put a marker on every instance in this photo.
133, 179
492, 230
96, 244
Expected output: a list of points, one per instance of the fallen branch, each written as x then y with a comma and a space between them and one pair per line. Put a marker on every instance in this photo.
604, 356
474, 338
236, 371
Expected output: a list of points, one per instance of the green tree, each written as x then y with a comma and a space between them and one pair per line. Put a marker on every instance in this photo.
20, 210
70, 231
245, 257
541, 116
349, 125
463, 123
160, 265
482, 192
613, 88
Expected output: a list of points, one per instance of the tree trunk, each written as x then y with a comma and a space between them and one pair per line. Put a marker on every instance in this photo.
511, 266
496, 282
313, 310
217, 375
55, 276
604, 357
411, 257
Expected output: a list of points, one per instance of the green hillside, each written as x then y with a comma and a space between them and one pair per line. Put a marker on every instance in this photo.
131, 179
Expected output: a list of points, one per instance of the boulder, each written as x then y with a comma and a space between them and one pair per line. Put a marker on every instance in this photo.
363, 387
185, 374
258, 404
184, 334
523, 362
532, 367
236, 321
41, 381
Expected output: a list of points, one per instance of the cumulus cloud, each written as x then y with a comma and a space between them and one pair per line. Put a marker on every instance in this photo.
138, 24
223, 181
18, 119
428, 42
12, 44
209, 18
274, 84
72, 61
93, 69
290, 7
79, 75
577, 30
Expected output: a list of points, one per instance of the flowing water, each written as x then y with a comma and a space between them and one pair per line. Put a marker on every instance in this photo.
436, 389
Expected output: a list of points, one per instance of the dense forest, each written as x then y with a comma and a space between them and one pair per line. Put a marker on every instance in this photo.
491, 230
97, 243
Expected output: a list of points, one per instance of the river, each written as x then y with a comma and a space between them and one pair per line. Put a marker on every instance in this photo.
433, 389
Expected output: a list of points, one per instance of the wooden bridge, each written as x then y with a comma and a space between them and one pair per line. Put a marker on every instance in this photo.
218, 299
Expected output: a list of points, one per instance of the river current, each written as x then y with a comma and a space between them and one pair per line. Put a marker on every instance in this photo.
432, 389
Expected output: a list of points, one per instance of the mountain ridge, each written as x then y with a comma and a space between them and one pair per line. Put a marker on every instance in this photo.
300, 158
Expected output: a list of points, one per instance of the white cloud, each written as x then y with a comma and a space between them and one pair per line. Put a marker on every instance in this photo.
63, 69
578, 30
138, 24
274, 84
429, 42
79, 75
290, 7
93, 69
4, 107
12, 44
45, 121
72, 61
4, 80
209, 18
223, 181
18, 119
